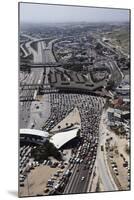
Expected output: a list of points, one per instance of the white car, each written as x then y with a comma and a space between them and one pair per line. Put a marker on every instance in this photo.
83, 178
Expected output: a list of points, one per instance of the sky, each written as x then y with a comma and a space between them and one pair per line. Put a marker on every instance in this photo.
41, 13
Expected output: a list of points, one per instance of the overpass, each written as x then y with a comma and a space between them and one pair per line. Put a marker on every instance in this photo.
51, 64
40, 65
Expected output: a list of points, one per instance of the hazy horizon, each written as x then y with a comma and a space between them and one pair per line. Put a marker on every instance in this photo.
43, 13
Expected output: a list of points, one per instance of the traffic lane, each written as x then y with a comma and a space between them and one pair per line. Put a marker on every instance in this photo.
24, 115
35, 76
81, 185
26, 53
39, 58
85, 170
77, 185
40, 112
71, 180
48, 57
108, 186
76, 179
102, 165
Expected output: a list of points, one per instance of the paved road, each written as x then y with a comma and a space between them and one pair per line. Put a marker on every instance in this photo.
33, 78
40, 115
117, 75
75, 184
104, 172
29, 113
26, 53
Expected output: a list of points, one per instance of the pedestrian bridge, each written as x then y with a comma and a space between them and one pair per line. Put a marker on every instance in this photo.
33, 136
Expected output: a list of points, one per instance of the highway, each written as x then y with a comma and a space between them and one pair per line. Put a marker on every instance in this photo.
116, 74
113, 48
28, 113
85, 168
34, 77
26, 53
106, 46
38, 117
39, 55
29, 48
76, 184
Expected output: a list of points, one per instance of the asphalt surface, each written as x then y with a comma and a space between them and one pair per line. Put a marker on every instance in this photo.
103, 168
103, 172
28, 112
75, 183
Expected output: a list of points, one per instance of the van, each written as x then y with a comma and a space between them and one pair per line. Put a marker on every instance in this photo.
83, 178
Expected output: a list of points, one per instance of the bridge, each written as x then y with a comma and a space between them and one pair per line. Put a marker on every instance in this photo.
33, 85
51, 64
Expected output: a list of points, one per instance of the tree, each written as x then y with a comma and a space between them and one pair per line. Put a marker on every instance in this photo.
127, 149
42, 152
110, 85
66, 124
78, 133
72, 124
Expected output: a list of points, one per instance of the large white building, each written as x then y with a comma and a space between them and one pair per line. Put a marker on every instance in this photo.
61, 138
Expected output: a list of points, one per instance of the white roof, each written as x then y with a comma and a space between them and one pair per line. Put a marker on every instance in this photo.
123, 87
111, 110
34, 132
61, 138
126, 100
